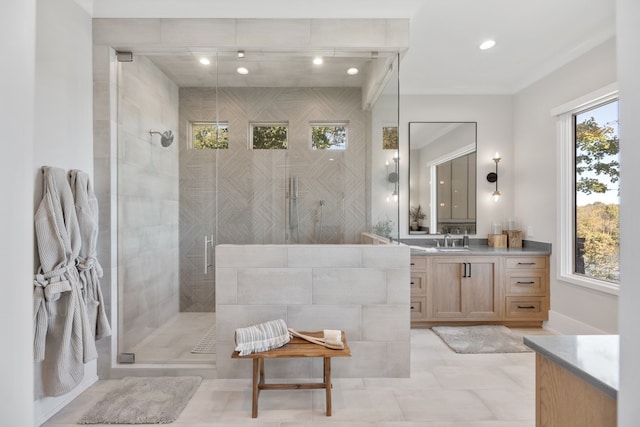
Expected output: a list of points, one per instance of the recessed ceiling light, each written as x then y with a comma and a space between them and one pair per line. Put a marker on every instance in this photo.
352, 71
318, 60
242, 70
487, 44
205, 61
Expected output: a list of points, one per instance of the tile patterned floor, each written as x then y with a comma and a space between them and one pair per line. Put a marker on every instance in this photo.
445, 389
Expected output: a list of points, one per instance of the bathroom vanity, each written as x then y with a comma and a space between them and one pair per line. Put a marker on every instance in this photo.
480, 285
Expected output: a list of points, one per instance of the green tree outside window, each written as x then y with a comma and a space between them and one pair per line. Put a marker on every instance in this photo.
329, 137
269, 137
210, 136
597, 172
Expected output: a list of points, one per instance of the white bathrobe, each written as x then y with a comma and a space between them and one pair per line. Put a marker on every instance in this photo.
89, 268
62, 338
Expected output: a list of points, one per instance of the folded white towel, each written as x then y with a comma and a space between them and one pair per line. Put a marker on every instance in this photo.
261, 337
332, 336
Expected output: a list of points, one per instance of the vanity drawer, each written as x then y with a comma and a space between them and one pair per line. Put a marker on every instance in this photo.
532, 308
418, 283
529, 262
418, 263
418, 308
526, 282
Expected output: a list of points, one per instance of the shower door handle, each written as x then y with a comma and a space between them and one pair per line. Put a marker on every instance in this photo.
207, 242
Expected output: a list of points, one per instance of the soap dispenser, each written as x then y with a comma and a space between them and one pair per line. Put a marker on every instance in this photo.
465, 240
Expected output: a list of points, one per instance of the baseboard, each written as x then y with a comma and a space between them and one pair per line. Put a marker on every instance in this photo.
47, 407
564, 325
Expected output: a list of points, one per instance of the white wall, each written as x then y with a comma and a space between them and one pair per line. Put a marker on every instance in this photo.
63, 132
573, 309
493, 113
17, 43
628, 13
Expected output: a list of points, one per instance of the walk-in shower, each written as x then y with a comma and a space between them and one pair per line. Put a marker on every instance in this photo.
231, 189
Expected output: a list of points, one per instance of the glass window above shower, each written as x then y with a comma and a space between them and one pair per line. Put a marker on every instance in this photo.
209, 135
269, 136
329, 136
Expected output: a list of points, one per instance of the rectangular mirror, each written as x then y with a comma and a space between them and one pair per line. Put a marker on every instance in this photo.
442, 177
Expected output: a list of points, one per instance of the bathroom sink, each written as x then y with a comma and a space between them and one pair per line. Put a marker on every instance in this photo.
453, 249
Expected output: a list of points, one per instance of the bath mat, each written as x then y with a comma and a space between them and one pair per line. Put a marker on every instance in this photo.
207, 344
143, 400
481, 339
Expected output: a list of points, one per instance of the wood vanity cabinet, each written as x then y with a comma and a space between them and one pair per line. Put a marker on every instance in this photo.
466, 288
458, 289
418, 288
527, 288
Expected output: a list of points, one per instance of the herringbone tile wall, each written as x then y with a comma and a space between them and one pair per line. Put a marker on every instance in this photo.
244, 192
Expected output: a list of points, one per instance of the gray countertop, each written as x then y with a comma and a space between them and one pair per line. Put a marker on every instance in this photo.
594, 358
477, 251
477, 247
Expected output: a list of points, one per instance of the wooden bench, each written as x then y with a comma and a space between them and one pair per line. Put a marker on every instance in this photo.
297, 347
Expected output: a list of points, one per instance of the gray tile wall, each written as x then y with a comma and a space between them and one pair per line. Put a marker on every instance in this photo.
251, 187
147, 201
360, 289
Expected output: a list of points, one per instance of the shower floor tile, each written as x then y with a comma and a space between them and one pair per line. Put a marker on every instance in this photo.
173, 341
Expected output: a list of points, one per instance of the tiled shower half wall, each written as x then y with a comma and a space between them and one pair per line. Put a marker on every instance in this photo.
241, 196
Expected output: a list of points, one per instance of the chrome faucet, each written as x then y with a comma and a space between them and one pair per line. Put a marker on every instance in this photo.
446, 240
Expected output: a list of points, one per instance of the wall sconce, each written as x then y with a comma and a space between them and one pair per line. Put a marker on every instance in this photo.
493, 177
393, 177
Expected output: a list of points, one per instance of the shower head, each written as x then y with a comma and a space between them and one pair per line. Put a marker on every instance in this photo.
166, 137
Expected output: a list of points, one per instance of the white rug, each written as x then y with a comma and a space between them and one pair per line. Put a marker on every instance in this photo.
207, 344
143, 400
481, 339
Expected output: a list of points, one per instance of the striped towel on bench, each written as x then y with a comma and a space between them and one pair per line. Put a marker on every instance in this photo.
261, 337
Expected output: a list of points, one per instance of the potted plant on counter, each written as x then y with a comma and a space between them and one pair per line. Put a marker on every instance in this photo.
416, 215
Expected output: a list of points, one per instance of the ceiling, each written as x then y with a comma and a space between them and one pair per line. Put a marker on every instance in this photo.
532, 37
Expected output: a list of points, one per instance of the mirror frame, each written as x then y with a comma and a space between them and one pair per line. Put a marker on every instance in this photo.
432, 211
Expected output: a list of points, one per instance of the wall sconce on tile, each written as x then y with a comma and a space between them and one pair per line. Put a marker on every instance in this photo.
393, 177
493, 177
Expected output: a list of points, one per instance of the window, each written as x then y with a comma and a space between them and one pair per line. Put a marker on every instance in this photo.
390, 138
329, 136
597, 201
590, 200
269, 136
209, 135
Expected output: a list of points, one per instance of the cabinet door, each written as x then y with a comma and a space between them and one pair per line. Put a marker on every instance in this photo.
444, 190
465, 288
459, 187
447, 288
481, 299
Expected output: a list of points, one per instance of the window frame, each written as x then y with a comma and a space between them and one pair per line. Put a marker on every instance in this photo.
344, 124
255, 124
205, 122
566, 194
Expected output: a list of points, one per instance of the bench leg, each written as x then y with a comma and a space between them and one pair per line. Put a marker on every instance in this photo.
257, 369
327, 383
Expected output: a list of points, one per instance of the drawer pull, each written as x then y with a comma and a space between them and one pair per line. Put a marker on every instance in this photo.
527, 306
526, 263
526, 283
